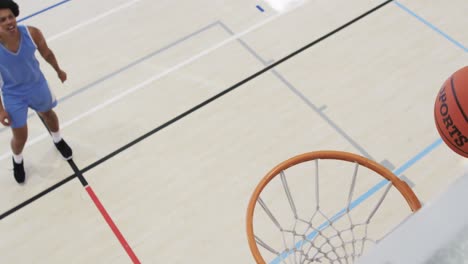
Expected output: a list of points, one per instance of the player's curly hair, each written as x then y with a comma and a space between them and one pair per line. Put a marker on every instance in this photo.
10, 4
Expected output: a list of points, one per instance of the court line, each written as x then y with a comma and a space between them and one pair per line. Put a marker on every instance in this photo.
126, 67
37, 196
93, 20
308, 102
82, 24
112, 225
43, 10
432, 26
230, 89
372, 190
365, 196
193, 109
99, 205
397, 172
104, 213
157, 77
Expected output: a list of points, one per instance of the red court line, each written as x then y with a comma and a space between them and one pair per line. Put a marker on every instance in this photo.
112, 225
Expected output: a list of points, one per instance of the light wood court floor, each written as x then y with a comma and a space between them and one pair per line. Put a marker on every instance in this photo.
175, 169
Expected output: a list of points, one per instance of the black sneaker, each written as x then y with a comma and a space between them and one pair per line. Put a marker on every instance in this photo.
18, 171
64, 149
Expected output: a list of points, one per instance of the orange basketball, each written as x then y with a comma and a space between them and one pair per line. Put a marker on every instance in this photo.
451, 112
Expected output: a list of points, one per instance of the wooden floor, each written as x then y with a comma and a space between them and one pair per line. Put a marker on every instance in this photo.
147, 69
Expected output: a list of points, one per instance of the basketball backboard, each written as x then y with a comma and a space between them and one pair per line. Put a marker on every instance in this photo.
437, 233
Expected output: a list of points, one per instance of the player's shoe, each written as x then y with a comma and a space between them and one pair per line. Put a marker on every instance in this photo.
64, 149
18, 171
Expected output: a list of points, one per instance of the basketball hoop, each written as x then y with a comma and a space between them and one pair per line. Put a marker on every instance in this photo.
313, 243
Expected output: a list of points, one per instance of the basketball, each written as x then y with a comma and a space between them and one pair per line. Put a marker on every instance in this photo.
451, 112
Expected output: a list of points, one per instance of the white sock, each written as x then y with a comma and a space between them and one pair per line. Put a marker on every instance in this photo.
18, 158
56, 137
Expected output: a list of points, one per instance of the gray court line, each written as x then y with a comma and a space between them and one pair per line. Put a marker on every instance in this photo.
301, 96
128, 66
246, 46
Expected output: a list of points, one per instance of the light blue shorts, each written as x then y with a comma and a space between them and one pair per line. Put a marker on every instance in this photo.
36, 96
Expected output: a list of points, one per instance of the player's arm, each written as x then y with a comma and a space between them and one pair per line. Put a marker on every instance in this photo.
46, 52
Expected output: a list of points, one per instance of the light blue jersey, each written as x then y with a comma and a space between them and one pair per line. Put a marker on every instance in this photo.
22, 83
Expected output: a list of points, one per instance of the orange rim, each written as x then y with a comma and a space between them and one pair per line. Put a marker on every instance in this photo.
400, 185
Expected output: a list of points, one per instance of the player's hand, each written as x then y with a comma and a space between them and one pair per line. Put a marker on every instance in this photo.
62, 75
5, 118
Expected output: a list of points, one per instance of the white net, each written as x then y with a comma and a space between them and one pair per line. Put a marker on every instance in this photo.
323, 211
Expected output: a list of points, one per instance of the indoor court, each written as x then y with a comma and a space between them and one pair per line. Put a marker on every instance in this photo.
175, 111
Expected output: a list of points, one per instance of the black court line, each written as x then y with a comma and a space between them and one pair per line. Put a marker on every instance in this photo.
53, 187
70, 161
193, 109
98, 204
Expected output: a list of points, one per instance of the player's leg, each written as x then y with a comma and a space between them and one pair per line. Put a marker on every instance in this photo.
42, 100
17, 110
20, 135
51, 120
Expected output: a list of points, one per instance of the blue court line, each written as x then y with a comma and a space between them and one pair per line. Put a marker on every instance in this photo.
418, 157
127, 67
432, 26
43, 10
363, 197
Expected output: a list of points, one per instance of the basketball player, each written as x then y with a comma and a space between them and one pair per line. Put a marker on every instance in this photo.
23, 85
